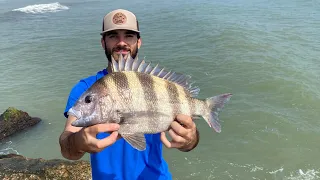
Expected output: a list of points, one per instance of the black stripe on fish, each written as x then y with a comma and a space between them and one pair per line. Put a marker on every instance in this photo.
189, 100
103, 83
149, 92
174, 97
122, 84
148, 88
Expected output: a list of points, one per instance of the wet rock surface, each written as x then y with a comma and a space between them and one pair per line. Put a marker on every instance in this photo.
14, 120
18, 167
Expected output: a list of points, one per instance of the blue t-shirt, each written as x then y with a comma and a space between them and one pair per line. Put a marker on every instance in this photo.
120, 161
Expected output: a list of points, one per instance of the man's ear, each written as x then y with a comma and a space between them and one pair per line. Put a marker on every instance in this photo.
103, 44
139, 43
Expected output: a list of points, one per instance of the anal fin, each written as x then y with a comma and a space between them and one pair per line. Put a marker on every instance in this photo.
137, 141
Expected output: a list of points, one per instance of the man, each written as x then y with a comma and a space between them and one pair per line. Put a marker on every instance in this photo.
111, 156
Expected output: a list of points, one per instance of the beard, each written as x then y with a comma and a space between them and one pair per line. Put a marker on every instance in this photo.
112, 52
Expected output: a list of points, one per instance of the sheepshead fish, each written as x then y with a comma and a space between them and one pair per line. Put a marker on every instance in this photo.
143, 100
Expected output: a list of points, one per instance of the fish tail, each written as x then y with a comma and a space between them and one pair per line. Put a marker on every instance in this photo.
215, 105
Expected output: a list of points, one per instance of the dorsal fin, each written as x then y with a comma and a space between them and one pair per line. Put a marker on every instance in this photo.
139, 65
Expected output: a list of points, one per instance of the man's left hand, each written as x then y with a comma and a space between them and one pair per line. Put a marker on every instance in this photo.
183, 132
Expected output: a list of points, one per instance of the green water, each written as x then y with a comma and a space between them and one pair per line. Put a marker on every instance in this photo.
264, 52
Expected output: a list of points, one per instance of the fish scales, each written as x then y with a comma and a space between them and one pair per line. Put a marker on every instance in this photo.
123, 91
173, 97
107, 88
162, 96
143, 100
157, 100
183, 101
154, 98
143, 93
148, 89
140, 95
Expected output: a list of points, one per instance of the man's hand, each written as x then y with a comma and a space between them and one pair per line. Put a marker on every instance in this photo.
86, 140
183, 132
76, 141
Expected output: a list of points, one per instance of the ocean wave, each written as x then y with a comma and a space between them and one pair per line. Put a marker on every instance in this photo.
42, 8
280, 173
8, 151
309, 174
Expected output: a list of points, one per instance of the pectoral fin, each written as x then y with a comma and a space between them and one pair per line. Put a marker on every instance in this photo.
137, 141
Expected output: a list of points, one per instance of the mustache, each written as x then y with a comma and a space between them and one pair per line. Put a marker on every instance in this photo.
119, 48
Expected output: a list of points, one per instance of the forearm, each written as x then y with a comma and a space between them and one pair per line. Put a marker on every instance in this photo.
192, 144
69, 147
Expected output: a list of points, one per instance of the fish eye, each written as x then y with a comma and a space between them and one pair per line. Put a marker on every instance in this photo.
88, 99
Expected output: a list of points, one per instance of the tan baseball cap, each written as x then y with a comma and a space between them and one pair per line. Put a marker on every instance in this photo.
120, 19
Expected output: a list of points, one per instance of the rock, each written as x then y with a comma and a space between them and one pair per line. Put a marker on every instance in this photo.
14, 120
18, 167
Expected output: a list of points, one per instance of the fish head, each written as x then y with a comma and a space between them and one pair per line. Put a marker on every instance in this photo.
92, 107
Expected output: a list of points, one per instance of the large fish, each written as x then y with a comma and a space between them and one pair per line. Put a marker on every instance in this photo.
143, 100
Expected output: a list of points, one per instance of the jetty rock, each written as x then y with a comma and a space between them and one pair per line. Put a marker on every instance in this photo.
13, 166
14, 120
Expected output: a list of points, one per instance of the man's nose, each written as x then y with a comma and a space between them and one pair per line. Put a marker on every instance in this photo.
121, 41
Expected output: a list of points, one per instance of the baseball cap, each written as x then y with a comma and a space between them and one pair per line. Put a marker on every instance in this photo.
120, 19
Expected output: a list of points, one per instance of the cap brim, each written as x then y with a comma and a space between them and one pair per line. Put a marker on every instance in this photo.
112, 29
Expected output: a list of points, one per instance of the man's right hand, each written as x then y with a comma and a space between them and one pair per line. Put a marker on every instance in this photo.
86, 141
75, 141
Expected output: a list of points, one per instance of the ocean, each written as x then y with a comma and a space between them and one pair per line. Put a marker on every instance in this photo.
266, 53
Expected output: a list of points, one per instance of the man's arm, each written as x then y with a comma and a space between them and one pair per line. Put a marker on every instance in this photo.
67, 141
75, 142
184, 134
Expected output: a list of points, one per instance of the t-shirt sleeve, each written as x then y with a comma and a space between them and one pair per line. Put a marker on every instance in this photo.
74, 95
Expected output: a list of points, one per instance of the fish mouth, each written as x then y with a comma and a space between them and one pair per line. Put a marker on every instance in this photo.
75, 113
81, 121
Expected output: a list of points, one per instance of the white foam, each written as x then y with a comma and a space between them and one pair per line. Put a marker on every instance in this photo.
256, 168
8, 151
276, 171
309, 174
42, 8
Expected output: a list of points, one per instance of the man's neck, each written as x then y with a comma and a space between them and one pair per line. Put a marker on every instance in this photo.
109, 67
